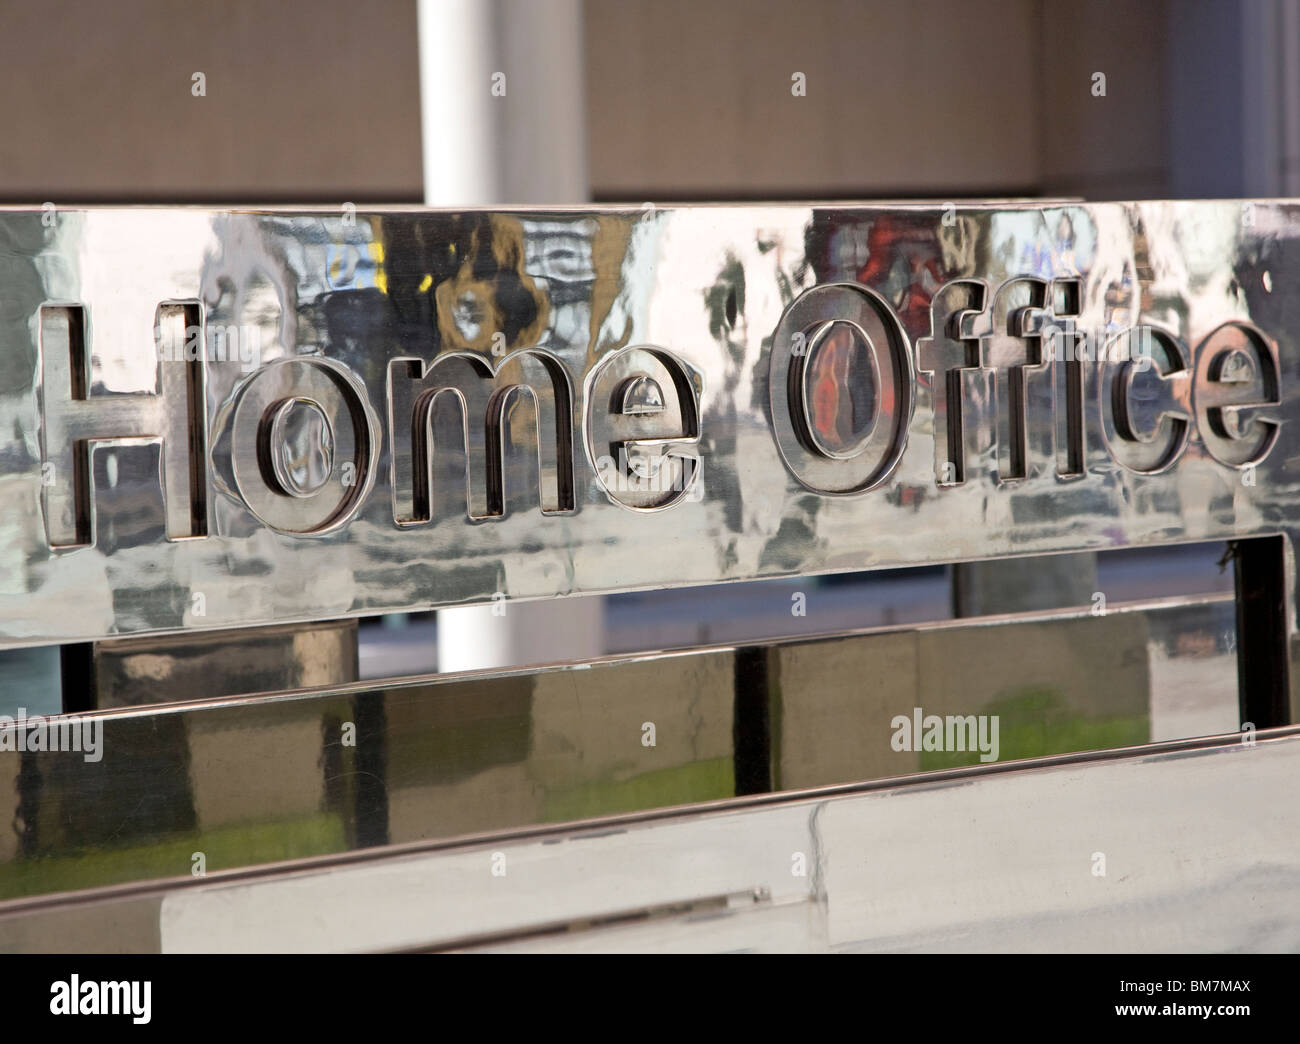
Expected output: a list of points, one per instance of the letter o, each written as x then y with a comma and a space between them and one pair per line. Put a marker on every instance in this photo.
868, 455
304, 488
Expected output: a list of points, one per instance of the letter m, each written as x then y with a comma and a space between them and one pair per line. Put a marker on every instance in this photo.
961, 732
456, 418
116, 998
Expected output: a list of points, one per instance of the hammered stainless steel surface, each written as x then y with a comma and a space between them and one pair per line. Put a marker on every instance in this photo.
250, 781
224, 418
1134, 850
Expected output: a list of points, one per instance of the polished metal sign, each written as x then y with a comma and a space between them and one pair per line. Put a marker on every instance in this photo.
214, 419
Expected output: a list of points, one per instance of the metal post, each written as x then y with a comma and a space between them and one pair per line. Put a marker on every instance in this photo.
504, 121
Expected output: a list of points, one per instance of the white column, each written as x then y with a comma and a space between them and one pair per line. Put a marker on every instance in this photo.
526, 147
459, 121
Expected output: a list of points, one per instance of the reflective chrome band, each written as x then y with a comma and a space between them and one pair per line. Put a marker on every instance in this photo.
218, 419
989, 858
133, 794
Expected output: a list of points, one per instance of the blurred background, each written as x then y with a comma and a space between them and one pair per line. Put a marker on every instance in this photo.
235, 101
676, 99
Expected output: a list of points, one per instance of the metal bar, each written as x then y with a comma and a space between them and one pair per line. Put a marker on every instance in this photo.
656, 397
1263, 660
1117, 849
752, 731
162, 790
127, 672
77, 677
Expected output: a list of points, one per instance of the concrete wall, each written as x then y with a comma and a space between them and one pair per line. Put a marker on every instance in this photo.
694, 99
686, 99
304, 101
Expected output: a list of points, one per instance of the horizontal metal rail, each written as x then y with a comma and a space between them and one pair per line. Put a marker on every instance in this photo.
1135, 849
159, 792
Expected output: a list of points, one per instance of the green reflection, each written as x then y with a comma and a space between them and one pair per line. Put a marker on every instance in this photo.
223, 848
1037, 720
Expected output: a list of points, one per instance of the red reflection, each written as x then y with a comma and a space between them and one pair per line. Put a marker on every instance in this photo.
840, 411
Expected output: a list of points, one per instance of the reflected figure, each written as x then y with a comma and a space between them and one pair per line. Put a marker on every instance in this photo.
1052, 260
